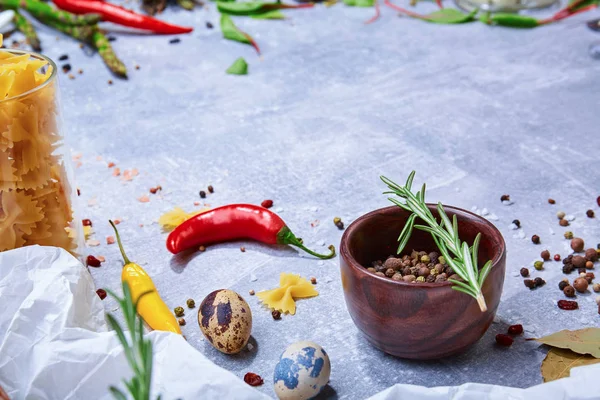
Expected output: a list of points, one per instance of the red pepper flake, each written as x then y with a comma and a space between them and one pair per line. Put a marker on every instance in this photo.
504, 340
86, 222
197, 203
93, 261
78, 192
144, 199
315, 223
267, 203
155, 189
101, 293
253, 379
515, 329
568, 305
110, 240
117, 221
111, 164
116, 171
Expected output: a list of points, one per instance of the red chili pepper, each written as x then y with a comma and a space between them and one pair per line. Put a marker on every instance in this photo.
232, 222
119, 15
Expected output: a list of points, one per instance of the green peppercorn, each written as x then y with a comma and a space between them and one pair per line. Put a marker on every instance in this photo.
539, 265
191, 303
425, 259
568, 235
421, 279
178, 311
441, 260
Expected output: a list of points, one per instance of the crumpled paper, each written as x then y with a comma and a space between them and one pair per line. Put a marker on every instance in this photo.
54, 341
54, 344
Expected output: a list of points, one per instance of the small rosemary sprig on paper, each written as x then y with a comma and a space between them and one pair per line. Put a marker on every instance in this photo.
138, 351
461, 258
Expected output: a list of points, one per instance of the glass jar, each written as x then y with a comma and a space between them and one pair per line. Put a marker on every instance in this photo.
503, 5
36, 194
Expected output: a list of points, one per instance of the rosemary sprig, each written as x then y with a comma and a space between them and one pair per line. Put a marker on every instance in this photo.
138, 351
461, 258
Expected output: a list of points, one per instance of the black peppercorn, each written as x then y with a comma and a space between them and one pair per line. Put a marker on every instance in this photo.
590, 213
517, 223
545, 255
567, 268
535, 239
524, 272
202, 194
505, 197
390, 272
569, 291
211, 189
276, 315
539, 282
562, 285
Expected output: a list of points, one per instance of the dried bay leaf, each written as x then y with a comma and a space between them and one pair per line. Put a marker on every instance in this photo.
558, 363
581, 341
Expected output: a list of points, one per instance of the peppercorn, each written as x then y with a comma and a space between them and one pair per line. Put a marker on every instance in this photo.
421, 279
524, 272
596, 287
424, 271
267, 203
557, 257
243, 249
378, 273
397, 276
440, 278
591, 255
515, 329
568, 235
529, 283
210, 189
201, 248
539, 282
425, 259
190, 303
517, 223
589, 265
562, 285
86, 222
598, 300
590, 213
439, 268
441, 260
504, 340
505, 197
101, 293
110, 82
181, 321
202, 194
251, 292
580, 284
569, 291
174, 40
409, 278
551, 201
394, 263
578, 262
568, 305
433, 256
577, 244
560, 215
92, 261
539, 265
567, 268
430, 278
589, 276
535, 239
209, 25
545, 255
178, 311
276, 315
563, 222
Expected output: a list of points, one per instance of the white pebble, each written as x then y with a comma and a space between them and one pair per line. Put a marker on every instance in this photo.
514, 227
492, 217
570, 217
253, 278
484, 212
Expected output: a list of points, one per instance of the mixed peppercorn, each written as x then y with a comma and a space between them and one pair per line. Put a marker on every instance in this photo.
418, 267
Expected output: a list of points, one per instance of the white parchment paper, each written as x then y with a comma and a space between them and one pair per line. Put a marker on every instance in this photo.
54, 344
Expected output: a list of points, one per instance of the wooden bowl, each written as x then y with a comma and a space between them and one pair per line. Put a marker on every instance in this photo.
416, 320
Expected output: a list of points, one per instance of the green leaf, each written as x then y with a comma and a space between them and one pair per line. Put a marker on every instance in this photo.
360, 3
231, 32
406, 232
466, 291
409, 181
239, 67
513, 20
450, 16
558, 363
273, 14
582, 341
475, 249
117, 394
245, 8
484, 273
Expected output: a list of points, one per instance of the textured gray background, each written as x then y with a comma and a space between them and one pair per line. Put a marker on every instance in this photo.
478, 111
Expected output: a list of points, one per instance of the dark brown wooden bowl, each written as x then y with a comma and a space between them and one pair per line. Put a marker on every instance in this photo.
416, 320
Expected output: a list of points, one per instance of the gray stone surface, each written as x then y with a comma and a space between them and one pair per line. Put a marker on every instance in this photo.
332, 104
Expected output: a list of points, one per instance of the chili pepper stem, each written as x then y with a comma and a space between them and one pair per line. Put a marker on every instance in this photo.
560, 16
439, 3
125, 258
376, 16
285, 236
403, 10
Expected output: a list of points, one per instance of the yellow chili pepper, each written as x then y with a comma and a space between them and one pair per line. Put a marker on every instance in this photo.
151, 307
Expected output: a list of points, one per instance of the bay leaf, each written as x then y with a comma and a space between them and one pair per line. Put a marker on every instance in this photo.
581, 341
558, 363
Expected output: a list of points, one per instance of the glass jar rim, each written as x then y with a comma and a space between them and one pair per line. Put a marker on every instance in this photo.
40, 87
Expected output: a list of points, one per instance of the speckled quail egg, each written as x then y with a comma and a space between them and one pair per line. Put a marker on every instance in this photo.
225, 320
302, 371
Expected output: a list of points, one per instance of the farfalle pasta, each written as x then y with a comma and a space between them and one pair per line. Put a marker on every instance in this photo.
35, 195
291, 287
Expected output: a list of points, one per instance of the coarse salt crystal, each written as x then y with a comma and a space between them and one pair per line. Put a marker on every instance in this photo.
279, 210
473, 208
321, 243
314, 209
551, 231
570, 217
492, 217
514, 227
253, 278
485, 212
507, 202
321, 263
